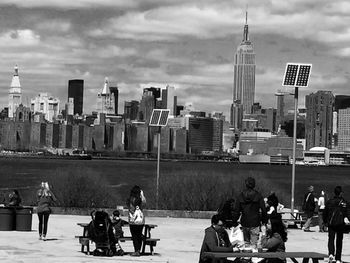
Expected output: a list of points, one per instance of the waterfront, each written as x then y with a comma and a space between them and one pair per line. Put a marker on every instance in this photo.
120, 175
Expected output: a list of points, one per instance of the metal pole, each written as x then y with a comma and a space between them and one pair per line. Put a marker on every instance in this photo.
158, 164
294, 145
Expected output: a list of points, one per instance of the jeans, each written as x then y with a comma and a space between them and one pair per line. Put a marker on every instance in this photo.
332, 232
251, 235
136, 234
320, 220
43, 220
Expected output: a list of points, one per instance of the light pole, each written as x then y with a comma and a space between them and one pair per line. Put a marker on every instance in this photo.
159, 118
296, 75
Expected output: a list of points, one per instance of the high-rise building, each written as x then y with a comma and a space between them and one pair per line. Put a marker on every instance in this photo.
244, 76
319, 119
344, 129
46, 104
106, 100
15, 94
285, 106
76, 91
169, 100
341, 102
115, 93
146, 106
131, 109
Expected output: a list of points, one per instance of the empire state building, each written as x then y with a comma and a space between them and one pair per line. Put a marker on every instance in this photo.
244, 80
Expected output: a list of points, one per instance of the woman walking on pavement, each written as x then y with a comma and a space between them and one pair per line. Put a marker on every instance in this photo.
136, 202
45, 197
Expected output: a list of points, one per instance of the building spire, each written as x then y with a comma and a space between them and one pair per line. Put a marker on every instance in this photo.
16, 70
245, 32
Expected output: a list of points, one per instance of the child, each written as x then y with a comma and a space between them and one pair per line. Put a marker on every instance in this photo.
117, 224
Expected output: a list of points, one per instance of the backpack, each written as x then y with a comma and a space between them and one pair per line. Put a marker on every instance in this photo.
337, 217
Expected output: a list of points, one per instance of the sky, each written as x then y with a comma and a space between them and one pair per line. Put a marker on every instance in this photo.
188, 44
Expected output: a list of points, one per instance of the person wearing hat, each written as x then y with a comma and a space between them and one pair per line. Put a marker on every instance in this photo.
309, 206
251, 207
335, 216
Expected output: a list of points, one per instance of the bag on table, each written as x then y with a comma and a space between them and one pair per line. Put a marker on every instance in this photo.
236, 234
136, 217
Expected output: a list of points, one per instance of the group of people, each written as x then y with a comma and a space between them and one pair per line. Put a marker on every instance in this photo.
262, 227
333, 216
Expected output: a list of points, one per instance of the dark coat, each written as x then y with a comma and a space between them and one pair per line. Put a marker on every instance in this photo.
251, 205
331, 205
309, 204
214, 242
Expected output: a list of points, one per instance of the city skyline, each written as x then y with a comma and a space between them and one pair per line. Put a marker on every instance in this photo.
185, 44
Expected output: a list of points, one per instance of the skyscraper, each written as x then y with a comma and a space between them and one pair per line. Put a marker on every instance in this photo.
115, 93
15, 94
106, 100
319, 119
344, 129
244, 77
76, 91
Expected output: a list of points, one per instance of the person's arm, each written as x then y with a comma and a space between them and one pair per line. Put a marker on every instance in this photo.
270, 242
263, 211
212, 243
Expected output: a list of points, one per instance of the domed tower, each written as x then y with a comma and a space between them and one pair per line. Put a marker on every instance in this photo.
15, 94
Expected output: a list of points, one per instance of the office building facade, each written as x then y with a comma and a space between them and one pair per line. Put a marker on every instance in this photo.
76, 91
47, 105
319, 119
344, 129
244, 77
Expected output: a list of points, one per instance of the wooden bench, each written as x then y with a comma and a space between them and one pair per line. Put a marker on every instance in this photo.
306, 256
151, 242
147, 240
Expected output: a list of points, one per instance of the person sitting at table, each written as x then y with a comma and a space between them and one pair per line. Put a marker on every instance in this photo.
15, 198
274, 237
226, 213
117, 224
215, 240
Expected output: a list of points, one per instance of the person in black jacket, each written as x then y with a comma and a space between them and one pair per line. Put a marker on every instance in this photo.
215, 240
309, 206
251, 206
335, 216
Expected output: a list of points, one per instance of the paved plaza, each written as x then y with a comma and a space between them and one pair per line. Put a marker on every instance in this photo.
180, 241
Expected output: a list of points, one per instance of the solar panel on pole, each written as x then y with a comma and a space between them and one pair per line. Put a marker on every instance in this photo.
297, 74
159, 117
155, 117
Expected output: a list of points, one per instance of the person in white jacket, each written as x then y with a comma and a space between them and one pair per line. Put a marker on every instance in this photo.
321, 206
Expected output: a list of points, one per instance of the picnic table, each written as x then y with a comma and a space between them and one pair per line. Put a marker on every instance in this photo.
306, 256
147, 239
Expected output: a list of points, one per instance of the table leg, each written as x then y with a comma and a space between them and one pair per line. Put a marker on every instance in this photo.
294, 260
305, 260
315, 260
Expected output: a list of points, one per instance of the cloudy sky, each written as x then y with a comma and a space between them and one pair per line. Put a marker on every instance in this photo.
189, 44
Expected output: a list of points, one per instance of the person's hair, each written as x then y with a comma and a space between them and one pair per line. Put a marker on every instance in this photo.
272, 200
277, 226
135, 196
116, 213
16, 192
215, 219
338, 190
250, 182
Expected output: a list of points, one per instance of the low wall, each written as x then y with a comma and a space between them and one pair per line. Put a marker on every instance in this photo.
124, 212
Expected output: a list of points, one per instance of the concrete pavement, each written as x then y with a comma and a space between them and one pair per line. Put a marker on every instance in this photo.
180, 241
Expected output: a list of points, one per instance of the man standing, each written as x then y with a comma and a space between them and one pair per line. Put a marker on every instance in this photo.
251, 207
335, 215
309, 206
215, 240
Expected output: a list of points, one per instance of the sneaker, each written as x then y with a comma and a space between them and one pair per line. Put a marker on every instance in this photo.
40, 237
44, 237
331, 258
338, 261
135, 254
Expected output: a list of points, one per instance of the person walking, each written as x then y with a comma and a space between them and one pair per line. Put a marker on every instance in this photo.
250, 206
309, 206
135, 203
321, 206
45, 198
335, 216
